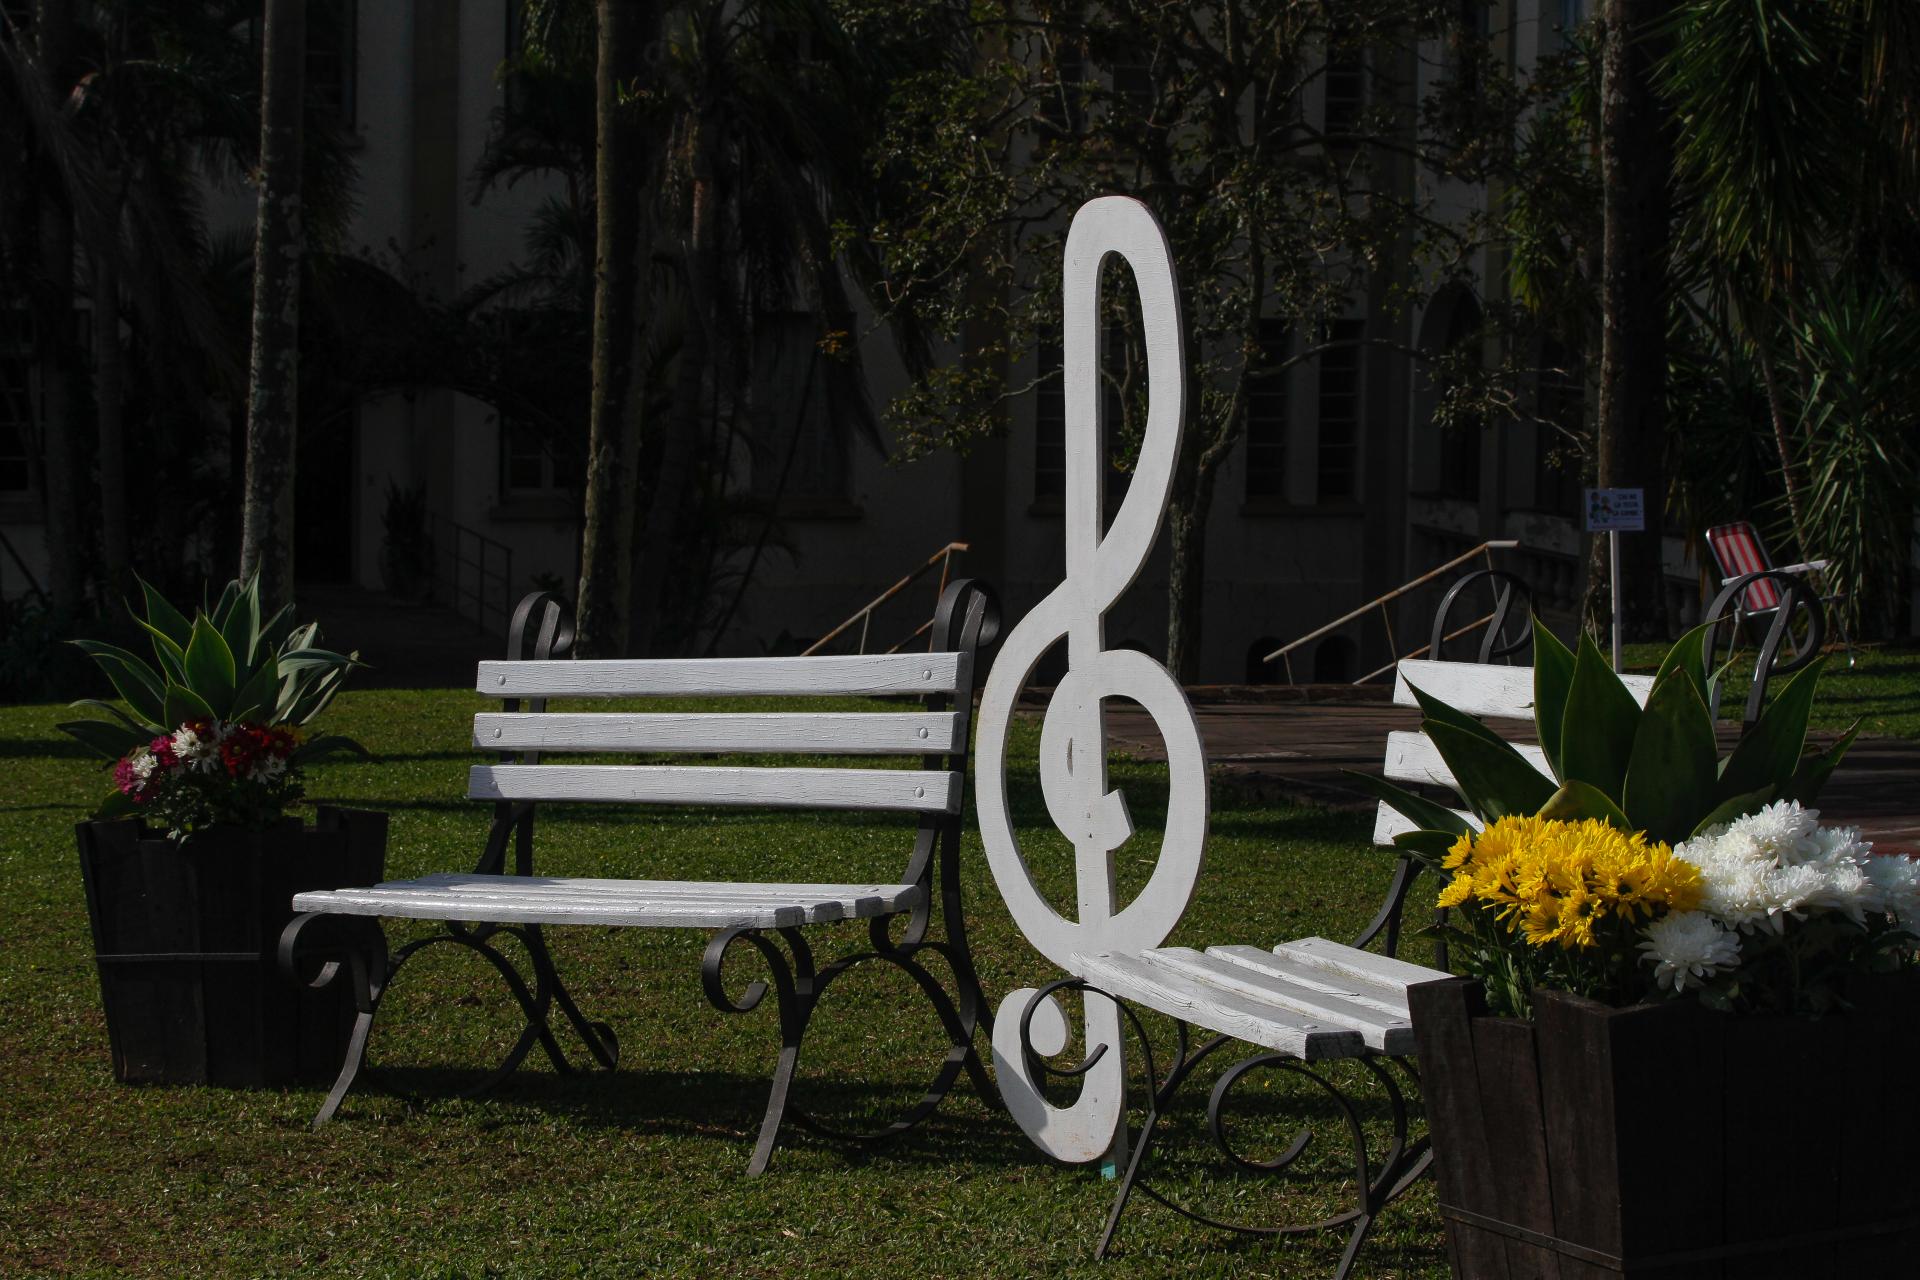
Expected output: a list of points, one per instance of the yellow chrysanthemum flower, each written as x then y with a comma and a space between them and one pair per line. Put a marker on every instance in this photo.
1555, 881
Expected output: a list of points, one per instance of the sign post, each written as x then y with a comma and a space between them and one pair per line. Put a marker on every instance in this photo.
1613, 512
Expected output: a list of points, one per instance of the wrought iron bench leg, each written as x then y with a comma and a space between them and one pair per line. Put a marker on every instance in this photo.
357, 947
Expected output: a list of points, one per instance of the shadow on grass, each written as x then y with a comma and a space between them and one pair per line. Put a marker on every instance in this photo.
725, 1105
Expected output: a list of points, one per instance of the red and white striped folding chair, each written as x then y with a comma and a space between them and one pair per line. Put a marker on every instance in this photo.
1737, 549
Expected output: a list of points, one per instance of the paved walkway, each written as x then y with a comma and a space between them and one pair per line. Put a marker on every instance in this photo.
1297, 750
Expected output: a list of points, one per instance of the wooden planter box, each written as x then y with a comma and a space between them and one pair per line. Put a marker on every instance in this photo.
1670, 1141
185, 938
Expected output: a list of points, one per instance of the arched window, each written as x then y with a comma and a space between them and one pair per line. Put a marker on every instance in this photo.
1260, 671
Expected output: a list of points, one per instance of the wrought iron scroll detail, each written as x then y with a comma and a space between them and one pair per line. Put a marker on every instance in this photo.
1378, 1178
1494, 643
1796, 595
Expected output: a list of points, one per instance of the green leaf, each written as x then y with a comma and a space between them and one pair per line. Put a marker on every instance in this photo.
1671, 773
183, 704
116, 804
210, 670
1423, 813
1728, 810
239, 625
221, 612
1429, 847
1577, 801
1596, 738
1770, 752
1434, 709
1689, 655
1815, 769
125, 719
257, 697
163, 617
275, 631
171, 657
1552, 676
103, 737
143, 688
1495, 779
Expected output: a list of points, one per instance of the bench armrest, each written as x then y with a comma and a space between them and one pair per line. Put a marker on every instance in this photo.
1811, 566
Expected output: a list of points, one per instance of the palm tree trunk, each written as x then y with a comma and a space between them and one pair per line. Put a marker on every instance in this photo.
1636, 162
606, 539
109, 407
53, 324
701, 258
273, 393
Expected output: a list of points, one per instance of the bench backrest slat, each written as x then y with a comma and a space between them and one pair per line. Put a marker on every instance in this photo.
1479, 689
1482, 689
829, 733
899, 790
860, 675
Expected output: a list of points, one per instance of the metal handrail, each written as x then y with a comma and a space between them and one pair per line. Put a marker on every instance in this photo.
864, 615
1285, 651
482, 597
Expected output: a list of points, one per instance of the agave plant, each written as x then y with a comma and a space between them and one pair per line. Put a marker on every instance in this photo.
1655, 769
226, 665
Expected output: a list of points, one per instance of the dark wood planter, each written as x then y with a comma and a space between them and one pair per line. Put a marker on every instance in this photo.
185, 937
1670, 1141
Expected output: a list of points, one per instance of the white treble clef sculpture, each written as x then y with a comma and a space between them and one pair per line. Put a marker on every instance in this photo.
1073, 769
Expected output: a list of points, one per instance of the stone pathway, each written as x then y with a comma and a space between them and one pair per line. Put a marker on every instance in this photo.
1298, 749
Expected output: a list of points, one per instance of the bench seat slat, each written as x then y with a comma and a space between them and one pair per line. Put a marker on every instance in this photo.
864, 675
832, 733
1352, 962
903, 790
1215, 1008
1385, 1030
539, 900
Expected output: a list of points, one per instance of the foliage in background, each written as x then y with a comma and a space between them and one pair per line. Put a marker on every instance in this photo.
229, 664
1283, 219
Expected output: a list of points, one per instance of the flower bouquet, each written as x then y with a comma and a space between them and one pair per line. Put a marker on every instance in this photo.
1609, 916
208, 747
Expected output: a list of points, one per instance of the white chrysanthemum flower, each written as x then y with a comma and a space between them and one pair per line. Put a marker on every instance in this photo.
1784, 832
1898, 879
1689, 947
142, 764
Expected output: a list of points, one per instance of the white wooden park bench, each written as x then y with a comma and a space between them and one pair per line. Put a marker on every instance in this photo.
1299, 1005
340, 931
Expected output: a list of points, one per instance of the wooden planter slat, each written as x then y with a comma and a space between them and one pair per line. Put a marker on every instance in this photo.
1669, 1141
184, 937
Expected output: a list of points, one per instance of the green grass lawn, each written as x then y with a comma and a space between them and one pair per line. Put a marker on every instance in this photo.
1881, 689
640, 1172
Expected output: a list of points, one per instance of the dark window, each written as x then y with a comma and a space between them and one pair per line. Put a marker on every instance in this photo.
1460, 443
1340, 366
333, 30
530, 466
1259, 670
1267, 414
16, 400
1063, 105
1133, 85
1345, 88
799, 454
1050, 424
333, 34
1050, 428
1561, 405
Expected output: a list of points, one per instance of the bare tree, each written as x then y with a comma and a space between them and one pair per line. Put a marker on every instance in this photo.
273, 389
53, 320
